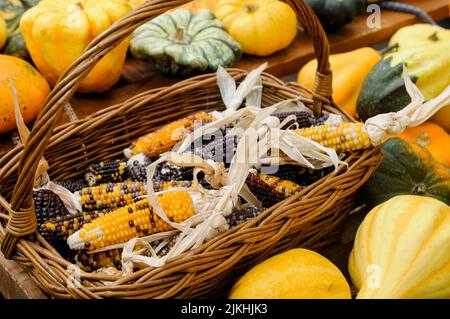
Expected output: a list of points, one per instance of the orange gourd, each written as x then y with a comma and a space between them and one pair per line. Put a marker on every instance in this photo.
31, 87
349, 71
432, 137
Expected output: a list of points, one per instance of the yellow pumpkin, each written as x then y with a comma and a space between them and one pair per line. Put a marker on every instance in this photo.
262, 27
349, 71
135, 3
431, 136
56, 33
31, 88
197, 5
402, 250
3, 32
295, 274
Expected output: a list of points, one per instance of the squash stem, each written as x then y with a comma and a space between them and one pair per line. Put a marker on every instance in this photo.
180, 36
251, 7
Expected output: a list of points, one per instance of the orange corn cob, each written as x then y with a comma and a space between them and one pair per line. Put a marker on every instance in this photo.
163, 139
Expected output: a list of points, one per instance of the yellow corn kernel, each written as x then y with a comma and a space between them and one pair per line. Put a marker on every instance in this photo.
139, 217
284, 186
346, 137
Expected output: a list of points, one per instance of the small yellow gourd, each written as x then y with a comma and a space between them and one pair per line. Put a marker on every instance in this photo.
261, 27
56, 33
402, 250
295, 274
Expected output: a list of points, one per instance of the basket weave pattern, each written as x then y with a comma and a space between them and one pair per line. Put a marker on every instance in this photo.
309, 219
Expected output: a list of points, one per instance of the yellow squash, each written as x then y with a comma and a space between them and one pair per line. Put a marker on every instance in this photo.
57, 32
295, 274
416, 35
135, 3
349, 71
262, 27
410, 38
3, 32
402, 250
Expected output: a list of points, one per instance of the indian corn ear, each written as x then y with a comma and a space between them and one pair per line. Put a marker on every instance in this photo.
134, 220
62, 227
107, 196
271, 190
166, 137
241, 216
345, 137
73, 185
47, 205
106, 172
302, 175
90, 262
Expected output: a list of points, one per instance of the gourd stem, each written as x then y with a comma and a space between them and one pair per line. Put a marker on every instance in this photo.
251, 7
79, 4
180, 35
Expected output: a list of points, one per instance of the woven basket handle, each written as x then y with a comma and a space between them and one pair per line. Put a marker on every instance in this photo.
23, 218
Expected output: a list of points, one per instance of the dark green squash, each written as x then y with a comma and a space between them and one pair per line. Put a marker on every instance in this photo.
407, 169
334, 14
11, 11
183, 43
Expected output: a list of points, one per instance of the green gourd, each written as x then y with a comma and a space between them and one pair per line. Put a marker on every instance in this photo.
334, 14
407, 169
181, 43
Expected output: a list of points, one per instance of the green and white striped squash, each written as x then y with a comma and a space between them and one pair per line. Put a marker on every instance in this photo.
182, 43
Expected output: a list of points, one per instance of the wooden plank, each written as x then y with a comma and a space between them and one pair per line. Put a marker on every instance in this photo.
15, 283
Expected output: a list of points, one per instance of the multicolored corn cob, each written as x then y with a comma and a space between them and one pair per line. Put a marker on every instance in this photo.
286, 187
47, 205
241, 216
271, 190
302, 175
73, 185
106, 172
111, 195
134, 220
92, 262
266, 194
303, 119
345, 137
221, 150
60, 228
165, 138
166, 172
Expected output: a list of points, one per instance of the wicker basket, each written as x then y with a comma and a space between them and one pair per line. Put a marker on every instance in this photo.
312, 218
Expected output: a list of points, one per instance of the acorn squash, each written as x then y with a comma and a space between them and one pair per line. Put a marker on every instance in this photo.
262, 27
294, 274
349, 71
334, 14
431, 136
407, 168
384, 91
182, 43
11, 11
57, 32
402, 250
